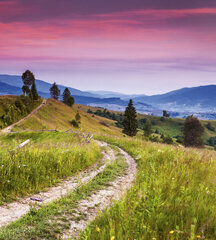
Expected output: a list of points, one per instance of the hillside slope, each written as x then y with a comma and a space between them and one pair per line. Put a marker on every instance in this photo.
14, 108
57, 115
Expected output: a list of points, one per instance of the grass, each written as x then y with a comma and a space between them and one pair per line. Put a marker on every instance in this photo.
173, 196
168, 126
57, 115
47, 159
173, 126
49, 222
11, 113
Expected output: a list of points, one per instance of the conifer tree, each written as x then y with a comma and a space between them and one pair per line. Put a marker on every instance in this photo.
147, 128
67, 98
77, 117
70, 101
193, 131
54, 91
130, 122
66, 95
34, 91
28, 79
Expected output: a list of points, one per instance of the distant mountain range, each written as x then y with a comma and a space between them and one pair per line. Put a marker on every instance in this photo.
42, 86
194, 99
198, 100
11, 85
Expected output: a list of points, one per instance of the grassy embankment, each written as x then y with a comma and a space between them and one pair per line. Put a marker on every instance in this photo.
173, 196
48, 158
14, 108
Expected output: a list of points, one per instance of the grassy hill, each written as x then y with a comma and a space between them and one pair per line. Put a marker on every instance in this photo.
57, 115
167, 126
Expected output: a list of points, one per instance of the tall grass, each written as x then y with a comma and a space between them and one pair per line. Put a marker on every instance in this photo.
173, 196
48, 158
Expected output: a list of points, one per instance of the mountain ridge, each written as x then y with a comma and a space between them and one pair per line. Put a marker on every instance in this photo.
198, 99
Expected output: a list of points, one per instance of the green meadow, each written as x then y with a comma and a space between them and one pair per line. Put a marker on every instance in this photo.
173, 196
48, 158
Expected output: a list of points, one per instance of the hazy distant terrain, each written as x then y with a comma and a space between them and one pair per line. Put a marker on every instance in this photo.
200, 101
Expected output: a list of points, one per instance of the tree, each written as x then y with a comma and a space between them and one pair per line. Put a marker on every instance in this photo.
25, 90
210, 127
28, 79
130, 121
54, 91
34, 91
147, 128
66, 95
165, 113
67, 98
70, 101
193, 131
77, 117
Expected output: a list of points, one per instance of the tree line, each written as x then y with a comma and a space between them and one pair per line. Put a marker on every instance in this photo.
67, 98
29, 89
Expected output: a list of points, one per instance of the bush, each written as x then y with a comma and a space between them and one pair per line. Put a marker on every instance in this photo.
75, 123
162, 119
153, 138
210, 127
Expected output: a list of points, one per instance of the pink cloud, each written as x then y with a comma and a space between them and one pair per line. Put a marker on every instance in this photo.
112, 36
160, 13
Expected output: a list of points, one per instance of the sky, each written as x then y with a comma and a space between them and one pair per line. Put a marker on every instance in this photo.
128, 46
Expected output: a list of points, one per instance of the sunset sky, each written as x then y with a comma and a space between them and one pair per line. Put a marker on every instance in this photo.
129, 46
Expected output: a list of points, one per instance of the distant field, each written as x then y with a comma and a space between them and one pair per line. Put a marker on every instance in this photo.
168, 126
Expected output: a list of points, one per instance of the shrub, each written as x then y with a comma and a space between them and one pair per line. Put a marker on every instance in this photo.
75, 123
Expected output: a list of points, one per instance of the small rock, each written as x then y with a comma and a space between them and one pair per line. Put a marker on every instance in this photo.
36, 199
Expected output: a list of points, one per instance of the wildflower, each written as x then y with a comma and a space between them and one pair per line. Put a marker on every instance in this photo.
171, 232
198, 236
112, 238
138, 157
97, 229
